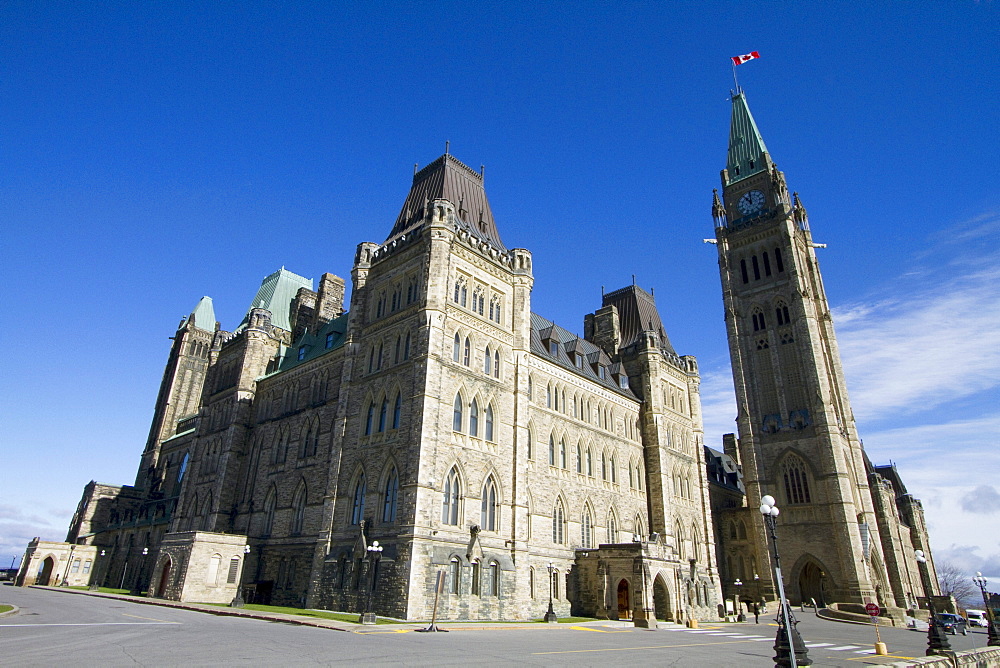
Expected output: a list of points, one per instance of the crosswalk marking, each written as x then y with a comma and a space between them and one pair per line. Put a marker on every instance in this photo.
844, 647
818, 644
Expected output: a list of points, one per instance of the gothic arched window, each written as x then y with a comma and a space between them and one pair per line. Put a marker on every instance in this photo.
390, 496
587, 529
397, 410
488, 431
457, 421
796, 481
452, 497
474, 418
358, 504
298, 510
559, 524
488, 512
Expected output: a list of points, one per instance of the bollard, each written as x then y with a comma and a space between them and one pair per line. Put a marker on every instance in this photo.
880, 649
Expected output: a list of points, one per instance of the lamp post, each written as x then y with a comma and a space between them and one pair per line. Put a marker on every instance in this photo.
374, 556
756, 590
550, 616
238, 599
138, 577
95, 580
991, 630
937, 640
738, 602
789, 648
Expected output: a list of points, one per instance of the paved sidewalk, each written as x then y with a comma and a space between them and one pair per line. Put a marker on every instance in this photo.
335, 625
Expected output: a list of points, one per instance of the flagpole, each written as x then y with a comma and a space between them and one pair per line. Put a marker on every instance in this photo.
735, 82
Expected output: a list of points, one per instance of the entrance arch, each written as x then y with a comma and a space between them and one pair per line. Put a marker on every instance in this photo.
161, 588
661, 600
624, 600
811, 583
45, 571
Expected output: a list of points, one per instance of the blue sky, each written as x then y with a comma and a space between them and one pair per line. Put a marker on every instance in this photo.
157, 152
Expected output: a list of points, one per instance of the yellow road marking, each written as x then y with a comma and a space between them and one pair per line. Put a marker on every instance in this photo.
149, 618
367, 633
587, 628
631, 649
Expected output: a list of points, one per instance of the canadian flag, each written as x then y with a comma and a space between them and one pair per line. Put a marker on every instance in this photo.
739, 60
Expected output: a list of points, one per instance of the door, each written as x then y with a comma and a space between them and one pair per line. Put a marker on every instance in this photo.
624, 607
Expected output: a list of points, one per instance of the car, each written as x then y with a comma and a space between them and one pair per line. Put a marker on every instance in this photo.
953, 624
977, 618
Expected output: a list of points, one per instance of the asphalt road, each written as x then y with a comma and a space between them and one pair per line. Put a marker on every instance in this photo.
54, 628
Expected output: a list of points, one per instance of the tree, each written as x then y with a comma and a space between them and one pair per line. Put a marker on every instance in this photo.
956, 582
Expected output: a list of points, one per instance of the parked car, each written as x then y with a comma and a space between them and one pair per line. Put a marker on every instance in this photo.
977, 618
953, 624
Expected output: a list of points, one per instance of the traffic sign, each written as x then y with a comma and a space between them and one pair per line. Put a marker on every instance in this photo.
872, 609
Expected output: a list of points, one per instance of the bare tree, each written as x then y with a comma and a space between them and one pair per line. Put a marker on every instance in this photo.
956, 582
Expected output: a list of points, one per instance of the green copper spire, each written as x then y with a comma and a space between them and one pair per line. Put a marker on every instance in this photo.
747, 152
204, 314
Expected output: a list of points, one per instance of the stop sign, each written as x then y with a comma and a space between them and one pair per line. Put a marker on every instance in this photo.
873, 609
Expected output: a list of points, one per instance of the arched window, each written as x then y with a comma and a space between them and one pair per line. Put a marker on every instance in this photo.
397, 409
552, 451
298, 510
457, 421
269, 503
370, 418
488, 513
613, 464
358, 508
494, 579
474, 418
488, 434
406, 347
531, 444
758, 320
640, 526
579, 458
562, 454
531, 581
604, 466
383, 413
742, 530
488, 362
559, 524
452, 497
212, 575
457, 352
587, 529
531, 388
454, 575
548, 396
390, 496
477, 581
467, 357
496, 363
796, 481
590, 462
612, 527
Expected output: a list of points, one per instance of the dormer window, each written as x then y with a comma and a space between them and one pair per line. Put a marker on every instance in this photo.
302, 352
329, 340
578, 361
553, 348
623, 382
602, 372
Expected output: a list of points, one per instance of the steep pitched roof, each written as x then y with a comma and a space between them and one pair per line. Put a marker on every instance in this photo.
747, 153
543, 330
276, 294
637, 314
448, 178
203, 315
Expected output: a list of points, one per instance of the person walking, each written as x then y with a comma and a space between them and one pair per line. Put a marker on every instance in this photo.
756, 614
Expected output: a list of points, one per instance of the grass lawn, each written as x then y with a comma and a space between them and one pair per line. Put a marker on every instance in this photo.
570, 620
302, 612
104, 590
5, 608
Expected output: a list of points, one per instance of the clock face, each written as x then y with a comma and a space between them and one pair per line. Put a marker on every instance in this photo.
751, 202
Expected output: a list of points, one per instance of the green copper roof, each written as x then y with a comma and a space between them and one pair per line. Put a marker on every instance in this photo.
747, 152
203, 315
276, 294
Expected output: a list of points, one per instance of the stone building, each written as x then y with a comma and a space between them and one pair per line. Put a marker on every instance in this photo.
849, 529
488, 450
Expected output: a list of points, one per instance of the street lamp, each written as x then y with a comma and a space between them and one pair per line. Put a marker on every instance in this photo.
937, 640
374, 556
138, 578
550, 616
737, 601
789, 648
238, 599
991, 630
95, 581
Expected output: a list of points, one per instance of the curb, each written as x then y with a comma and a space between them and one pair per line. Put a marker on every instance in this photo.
10, 613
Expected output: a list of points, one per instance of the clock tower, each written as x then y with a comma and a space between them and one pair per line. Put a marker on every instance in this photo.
797, 437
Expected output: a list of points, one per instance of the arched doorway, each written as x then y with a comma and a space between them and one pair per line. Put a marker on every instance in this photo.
161, 589
661, 599
45, 571
624, 600
811, 584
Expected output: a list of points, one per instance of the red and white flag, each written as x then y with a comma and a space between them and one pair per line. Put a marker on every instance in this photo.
739, 60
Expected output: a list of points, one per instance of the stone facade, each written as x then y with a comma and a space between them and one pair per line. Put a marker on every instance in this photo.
488, 448
54, 563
